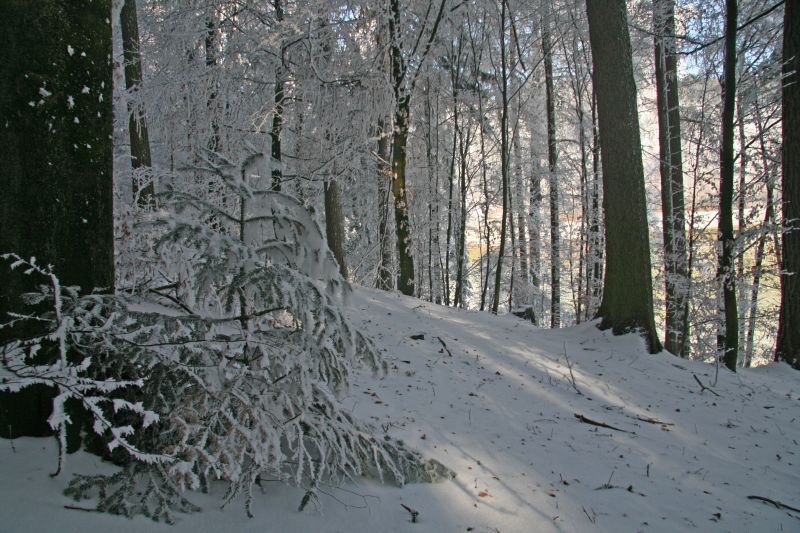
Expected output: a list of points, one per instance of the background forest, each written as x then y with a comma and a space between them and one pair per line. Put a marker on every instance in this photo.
499, 206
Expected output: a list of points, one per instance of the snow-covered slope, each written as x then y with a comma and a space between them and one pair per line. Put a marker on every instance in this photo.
513, 410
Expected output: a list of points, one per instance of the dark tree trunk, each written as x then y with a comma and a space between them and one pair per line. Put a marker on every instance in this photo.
465, 139
552, 160
334, 224
212, 103
137, 121
672, 203
728, 338
503, 159
56, 159
788, 348
277, 113
627, 289
405, 277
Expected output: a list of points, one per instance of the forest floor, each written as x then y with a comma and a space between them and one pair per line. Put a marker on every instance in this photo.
547, 430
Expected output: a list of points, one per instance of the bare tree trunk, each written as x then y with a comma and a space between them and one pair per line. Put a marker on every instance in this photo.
503, 159
137, 121
277, 112
788, 347
384, 279
728, 337
671, 165
552, 158
211, 104
464, 143
627, 294
450, 185
334, 225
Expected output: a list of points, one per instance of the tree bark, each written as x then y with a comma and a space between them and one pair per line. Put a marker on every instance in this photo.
56, 201
503, 159
384, 279
671, 166
627, 289
334, 225
788, 347
137, 121
552, 160
728, 337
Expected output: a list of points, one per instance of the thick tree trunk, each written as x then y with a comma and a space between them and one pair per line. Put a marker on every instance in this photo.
405, 277
137, 121
56, 159
627, 290
788, 348
728, 337
671, 157
334, 225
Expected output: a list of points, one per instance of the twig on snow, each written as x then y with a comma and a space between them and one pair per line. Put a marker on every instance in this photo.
589, 421
777, 504
444, 346
571, 375
703, 387
413, 512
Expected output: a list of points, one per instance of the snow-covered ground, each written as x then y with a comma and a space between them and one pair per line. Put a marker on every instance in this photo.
512, 410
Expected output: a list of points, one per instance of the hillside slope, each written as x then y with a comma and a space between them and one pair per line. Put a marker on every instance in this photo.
567, 430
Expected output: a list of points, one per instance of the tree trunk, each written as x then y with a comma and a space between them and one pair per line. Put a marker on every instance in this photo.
627, 289
137, 121
56, 104
334, 225
728, 337
552, 159
534, 238
405, 277
503, 159
277, 112
384, 279
671, 166
461, 245
788, 347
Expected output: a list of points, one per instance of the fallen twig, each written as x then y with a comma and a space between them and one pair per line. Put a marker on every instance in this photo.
414, 513
586, 420
444, 346
571, 375
85, 509
703, 387
654, 421
777, 504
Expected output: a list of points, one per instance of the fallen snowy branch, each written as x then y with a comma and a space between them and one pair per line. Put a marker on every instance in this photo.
777, 504
589, 421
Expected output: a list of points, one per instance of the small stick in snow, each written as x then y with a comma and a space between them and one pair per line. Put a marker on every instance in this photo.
444, 346
654, 421
414, 513
571, 375
779, 505
586, 420
85, 509
703, 387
